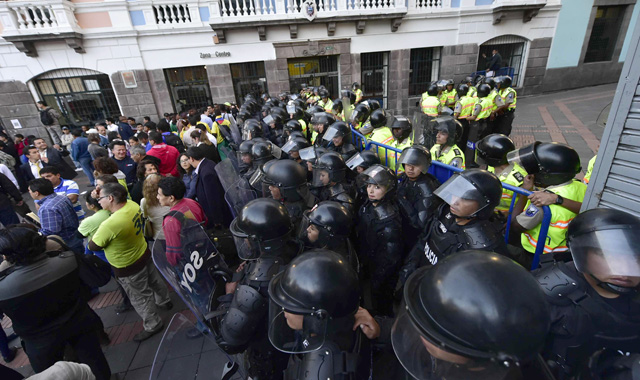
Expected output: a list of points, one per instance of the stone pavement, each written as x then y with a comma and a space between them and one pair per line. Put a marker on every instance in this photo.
567, 117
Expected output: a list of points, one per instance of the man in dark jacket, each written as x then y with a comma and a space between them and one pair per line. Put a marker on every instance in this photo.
8, 189
209, 191
31, 169
53, 156
495, 62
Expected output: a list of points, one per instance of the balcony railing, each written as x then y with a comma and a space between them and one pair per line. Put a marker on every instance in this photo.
37, 17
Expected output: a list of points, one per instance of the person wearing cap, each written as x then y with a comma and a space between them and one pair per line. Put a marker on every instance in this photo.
379, 236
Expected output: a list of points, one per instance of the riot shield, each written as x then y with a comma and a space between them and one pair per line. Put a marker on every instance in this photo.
236, 134
181, 355
346, 108
227, 173
238, 195
418, 136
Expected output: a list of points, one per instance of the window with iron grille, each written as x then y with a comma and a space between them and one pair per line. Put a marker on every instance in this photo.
83, 97
604, 34
248, 78
189, 88
374, 74
315, 72
424, 68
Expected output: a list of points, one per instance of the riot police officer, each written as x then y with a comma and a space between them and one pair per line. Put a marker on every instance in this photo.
338, 138
293, 147
313, 304
479, 121
251, 129
376, 128
261, 153
360, 162
320, 122
449, 95
355, 88
594, 298
430, 103
461, 112
505, 112
447, 131
286, 182
416, 197
329, 178
263, 237
360, 115
380, 239
462, 222
245, 159
328, 225
475, 316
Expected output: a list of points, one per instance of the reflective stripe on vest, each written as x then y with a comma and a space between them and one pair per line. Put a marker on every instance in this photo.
329, 105
505, 92
560, 218
492, 95
430, 105
473, 92
449, 97
446, 158
487, 107
467, 104
304, 126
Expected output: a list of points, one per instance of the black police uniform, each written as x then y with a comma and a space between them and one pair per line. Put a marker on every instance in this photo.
340, 193
582, 321
417, 203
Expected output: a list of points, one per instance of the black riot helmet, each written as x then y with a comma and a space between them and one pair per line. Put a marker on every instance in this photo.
551, 163
296, 134
463, 89
333, 222
350, 95
315, 109
324, 119
449, 82
364, 160
373, 104
472, 189
338, 129
604, 244
468, 81
281, 113
295, 144
484, 90
292, 125
262, 227
264, 111
355, 86
245, 150
404, 124
491, 82
261, 153
479, 80
360, 113
298, 112
382, 176
251, 129
337, 106
329, 167
378, 118
321, 286
493, 149
289, 177
417, 155
324, 93
432, 90
447, 124
502, 82
501, 323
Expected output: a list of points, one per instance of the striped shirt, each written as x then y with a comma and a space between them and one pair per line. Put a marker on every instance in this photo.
67, 187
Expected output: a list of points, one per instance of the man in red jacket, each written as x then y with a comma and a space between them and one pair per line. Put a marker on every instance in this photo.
167, 154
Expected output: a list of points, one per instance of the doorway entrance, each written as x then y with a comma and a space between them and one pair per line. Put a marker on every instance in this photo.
315, 72
511, 49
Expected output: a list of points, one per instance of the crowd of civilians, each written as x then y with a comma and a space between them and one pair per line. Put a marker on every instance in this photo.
138, 173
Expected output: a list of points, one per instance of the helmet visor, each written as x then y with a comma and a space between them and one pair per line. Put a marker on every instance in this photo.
248, 248
612, 255
308, 154
291, 108
356, 116
242, 155
330, 134
268, 120
276, 152
321, 176
290, 146
355, 161
526, 158
464, 199
256, 178
377, 174
412, 157
296, 333
246, 134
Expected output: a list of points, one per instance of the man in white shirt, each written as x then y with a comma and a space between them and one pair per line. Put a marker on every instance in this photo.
6, 171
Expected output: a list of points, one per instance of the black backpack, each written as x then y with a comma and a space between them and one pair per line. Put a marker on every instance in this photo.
45, 117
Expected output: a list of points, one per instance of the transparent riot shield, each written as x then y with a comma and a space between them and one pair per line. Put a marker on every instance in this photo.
185, 355
227, 173
418, 128
236, 133
346, 108
238, 195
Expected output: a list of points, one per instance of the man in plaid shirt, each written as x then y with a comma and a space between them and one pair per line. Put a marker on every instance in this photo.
56, 213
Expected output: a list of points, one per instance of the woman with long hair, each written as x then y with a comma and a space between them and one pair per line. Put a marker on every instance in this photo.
188, 176
200, 139
150, 207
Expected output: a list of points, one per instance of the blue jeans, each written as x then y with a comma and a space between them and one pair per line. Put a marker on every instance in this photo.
87, 168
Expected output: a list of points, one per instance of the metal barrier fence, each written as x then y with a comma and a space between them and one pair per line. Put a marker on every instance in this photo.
501, 71
443, 172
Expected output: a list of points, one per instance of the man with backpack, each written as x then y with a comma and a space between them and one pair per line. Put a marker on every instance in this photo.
49, 118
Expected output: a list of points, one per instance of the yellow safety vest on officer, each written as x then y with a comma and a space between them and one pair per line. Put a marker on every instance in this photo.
358, 94
303, 124
513, 175
448, 98
509, 96
587, 175
450, 155
431, 106
464, 107
560, 218
392, 156
473, 92
380, 135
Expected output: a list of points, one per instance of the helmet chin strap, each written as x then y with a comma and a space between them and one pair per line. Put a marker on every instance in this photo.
621, 290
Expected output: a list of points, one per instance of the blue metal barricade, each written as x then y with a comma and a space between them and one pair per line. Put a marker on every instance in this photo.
501, 71
441, 171
389, 159
359, 140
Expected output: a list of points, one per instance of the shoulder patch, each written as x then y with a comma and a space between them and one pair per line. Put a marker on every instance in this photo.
531, 211
457, 152
518, 176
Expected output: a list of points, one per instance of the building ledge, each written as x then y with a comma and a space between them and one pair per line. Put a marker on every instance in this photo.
529, 11
25, 43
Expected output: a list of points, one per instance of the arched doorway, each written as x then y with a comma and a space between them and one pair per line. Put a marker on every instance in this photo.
511, 48
82, 96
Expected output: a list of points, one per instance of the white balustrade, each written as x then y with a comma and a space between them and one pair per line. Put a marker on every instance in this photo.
37, 17
168, 14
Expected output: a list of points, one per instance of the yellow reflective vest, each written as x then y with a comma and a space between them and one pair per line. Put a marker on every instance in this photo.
447, 155
466, 103
512, 175
448, 98
587, 175
560, 218
430, 106
504, 93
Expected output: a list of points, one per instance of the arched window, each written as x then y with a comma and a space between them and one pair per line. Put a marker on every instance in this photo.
510, 47
83, 96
